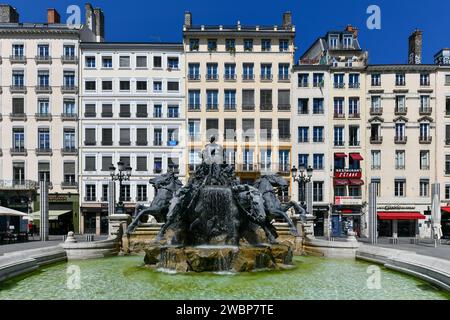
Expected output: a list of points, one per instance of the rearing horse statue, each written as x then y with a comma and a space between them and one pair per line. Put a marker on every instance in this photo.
274, 209
166, 185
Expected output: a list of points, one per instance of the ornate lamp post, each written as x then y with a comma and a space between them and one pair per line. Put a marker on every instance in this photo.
302, 177
123, 174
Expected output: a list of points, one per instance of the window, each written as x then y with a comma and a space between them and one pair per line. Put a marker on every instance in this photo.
377, 183
69, 172
141, 110
303, 80
173, 164
248, 45
266, 100
141, 85
90, 85
173, 86
353, 136
447, 191
124, 111
18, 139
376, 104
106, 85
353, 107
248, 99
339, 80
348, 41
376, 159
194, 44
230, 45
266, 45
376, 80
18, 106
424, 131
69, 107
157, 111
69, 79
107, 62
90, 193
400, 79
230, 129
318, 161
141, 163
107, 111
230, 71
89, 111
248, 129
194, 129
303, 134
141, 137
69, 51
43, 78
157, 165
157, 62
157, 136
318, 106
265, 129
90, 62
89, 163
284, 100
283, 160
424, 160
212, 127
18, 78
212, 99
424, 79
338, 136
424, 187
125, 192
447, 164
318, 81
141, 62
124, 62
44, 139
43, 107
157, 86
266, 159
284, 131
107, 136
194, 99
173, 63
266, 71
141, 190
302, 107
230, 99
89, 136
339, 108
69, 139
194, 71
106, 162
124, 85
248, 73
447, 134
318, 134
303, 160
284, 45
400, 187
425, 104
173, 111
400, 159
211, 71
318, 191
353, 80
212, 45
124, 137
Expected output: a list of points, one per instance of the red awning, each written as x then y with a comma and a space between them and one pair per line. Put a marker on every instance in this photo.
356, 182
446, 209
341, 182
356, 156
340, 155
346, 211
400, 216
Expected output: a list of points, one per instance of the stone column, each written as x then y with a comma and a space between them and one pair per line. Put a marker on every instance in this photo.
395, 228
98, 217
111, 203
43, 229
372, 221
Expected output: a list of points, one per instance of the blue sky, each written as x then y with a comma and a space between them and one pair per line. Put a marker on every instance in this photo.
162, 20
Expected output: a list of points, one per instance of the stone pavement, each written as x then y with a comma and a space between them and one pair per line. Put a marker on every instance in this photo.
34, 243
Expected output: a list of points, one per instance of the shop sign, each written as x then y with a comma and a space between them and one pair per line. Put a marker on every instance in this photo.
347, 201
57, 198
396, 207
348, 174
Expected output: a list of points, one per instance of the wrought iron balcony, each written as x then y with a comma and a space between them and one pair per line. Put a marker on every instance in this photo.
376, 140
17, 59
43, 89
266, 77
18, 117
69, 116
194, 77
354, 85
400, 139
43, 117
69, 89
425, 111
69, 185
248, 107
43, 59
248, 77
69, 151
69, 59
43, 151
339, 115
354, 115
18, 151
425, 140
339, 85
401, 111
229, 77
376, 111
18, 89
284, 107
18, 185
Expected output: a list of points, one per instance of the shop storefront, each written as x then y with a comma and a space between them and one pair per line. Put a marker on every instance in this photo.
399, 224
445, 222
320, 220
94, 217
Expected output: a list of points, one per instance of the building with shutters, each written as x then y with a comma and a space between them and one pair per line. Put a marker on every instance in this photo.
131, 110
238, 82
38, 112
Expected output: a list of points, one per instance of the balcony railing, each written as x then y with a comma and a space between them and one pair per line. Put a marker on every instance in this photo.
248, 77
43, 59
283, 168
339, 85
284, 77
266, 107
425, 140
339, 115
141, 114
18, 185
339, 143
17, 59
141, 199
194, 77
69, 151
69, 59
212, 77
106, 114
157, 142
69, 89
125, 114
69, 116
90, 198
354, 85
376, 140
266, 77
248, 107
18, 151
230, 107
229, 77
376, 167
194, 107
376, 111
141, 143
18, 89
354, 115
400, 139
401, 111
18, 117
125, 143
212, 106
43, 117
69, 184
43, 89
303, 84
425, 111
90, 143
247, 167
284, 137
284, 107
353, 143
43, 151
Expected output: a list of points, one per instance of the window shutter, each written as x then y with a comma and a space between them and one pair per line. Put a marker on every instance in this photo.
141, 110
447, 133
125, 136
141, 136
107, 109
283, 97
90, 135
248, 98
90, 164
141, 163
106, 162
18, 106
107, 136
43, 166
125, 160
69, 168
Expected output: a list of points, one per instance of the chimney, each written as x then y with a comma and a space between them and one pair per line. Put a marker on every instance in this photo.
8, 14
287, 20
188, 19
53, 16
415, 47
352, 29
90, 19
99, 24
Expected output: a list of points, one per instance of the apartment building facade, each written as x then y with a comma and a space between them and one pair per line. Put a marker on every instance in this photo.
133, 111
38, 107
238, 89
338, 92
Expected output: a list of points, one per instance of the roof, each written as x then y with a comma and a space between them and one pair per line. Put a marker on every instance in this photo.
17, 28
175, 46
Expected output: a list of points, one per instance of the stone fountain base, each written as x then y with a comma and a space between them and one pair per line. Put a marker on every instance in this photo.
218, 258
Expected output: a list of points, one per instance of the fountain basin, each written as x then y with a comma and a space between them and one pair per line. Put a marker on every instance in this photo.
216, 258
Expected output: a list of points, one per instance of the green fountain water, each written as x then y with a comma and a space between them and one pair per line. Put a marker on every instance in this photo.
127, 278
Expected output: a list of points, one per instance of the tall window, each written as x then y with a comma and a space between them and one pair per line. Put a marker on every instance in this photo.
338, 136
141, 190
266, 100
69, 172
43, 78
212, 99
69, 139
400, 187
318, 191
400, 79
90, 62
194, 99
339, 107
44, 171
266, 45
266, 71
303, 160
284, 131
400, 159
353, 80
284, 45
69, 107
18, 79
44, 138
318, 161
424, 160
424, 187
302, 107
248, 45
194, 71
211, 71
318, 106
318, 80
303, 134
318, 134
173, 111
18, 139
43, 107
376, 80
353, 107
283, 159
230, 71
18, 50
376, 159
230, 99
266, 160
248, 71
107, 62
69, 79
90, 193
69, 51
283, 71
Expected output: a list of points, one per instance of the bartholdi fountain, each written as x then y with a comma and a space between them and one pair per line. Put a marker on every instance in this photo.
215, 223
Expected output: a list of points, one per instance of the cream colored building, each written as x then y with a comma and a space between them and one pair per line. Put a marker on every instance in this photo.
238, 89
132, 110
38, 107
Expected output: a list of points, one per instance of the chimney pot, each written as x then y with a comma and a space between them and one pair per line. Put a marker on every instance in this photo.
188, 19
352, 29
8, 14
53, 16
415, 43
287, 20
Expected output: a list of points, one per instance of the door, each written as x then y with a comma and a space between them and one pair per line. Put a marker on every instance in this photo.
89, 223
104, 223
335, 226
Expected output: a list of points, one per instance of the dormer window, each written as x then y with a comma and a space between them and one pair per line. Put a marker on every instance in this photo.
348, 41
194, 44
212, 45
334, 42
230, 45
284, 45
265, 45
248, 45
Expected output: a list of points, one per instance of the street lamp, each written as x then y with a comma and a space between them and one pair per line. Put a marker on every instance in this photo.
124, 174
302, 177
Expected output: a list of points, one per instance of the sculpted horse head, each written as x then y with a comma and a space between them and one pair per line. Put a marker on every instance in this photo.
271, 181
167, 180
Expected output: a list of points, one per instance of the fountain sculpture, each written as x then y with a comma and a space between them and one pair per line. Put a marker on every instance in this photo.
215, 223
